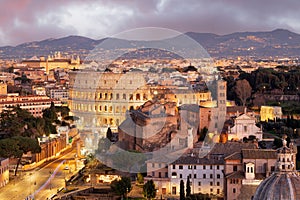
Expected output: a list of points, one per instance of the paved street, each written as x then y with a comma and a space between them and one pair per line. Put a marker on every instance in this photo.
41, 183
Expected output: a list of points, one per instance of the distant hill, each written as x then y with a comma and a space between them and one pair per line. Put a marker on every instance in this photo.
278, 42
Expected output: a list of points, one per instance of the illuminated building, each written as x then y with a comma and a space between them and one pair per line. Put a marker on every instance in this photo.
4, 171
206, 174
104, 98
244, 126
33, 104
53, 61
270, 113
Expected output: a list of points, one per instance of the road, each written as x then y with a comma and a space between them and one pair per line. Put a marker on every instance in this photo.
41, 183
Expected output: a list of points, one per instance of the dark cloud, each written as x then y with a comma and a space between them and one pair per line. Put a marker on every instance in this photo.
28, 20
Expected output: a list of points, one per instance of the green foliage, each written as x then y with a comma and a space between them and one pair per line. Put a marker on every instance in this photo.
121, 187
50, 113
18, 122
17, 146
149, 190
64, 110
181, 192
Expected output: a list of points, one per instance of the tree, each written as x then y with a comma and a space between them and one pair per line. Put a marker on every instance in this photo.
109, 134
17, 146
149, 190
121, 187
182, 195
188, 187
50, 113
202, 134
243, 90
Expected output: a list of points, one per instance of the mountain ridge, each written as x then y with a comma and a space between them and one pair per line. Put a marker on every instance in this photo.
278, 42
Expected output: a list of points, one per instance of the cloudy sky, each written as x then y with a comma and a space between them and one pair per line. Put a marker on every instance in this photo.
30, 20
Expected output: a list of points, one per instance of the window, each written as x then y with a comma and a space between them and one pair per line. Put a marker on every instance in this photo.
180, 167
218, 175
153, 174
211, 176
204, 166
218, 191
204, 175
234, 168
153, 165
174, 190
234, 190
218, 183
211, 190
174, 174
195, 167
159, 174
166, 174
199, 183
190, 167
211, 167
180, 175
218, 167
211, 183
245, 128
174, 167
272, 168
195, 175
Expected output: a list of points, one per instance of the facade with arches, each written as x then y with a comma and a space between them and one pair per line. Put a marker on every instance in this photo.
104, 98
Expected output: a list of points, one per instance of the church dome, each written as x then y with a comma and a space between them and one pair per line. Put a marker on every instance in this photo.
284, 183
279, 186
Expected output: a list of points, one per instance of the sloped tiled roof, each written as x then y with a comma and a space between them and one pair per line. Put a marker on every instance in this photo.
259, 154
229, 148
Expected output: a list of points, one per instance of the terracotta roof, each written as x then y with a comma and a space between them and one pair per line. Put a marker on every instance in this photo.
259, 154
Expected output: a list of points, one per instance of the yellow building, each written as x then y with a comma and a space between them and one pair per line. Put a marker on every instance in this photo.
3, 88
53, 62
270, 113
103, 98
4, 171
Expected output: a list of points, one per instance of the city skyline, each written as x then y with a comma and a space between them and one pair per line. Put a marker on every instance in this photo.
30, 20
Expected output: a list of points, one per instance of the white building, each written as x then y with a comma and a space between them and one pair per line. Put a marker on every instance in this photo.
59, 94
244, 126
32, 103
205, 175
